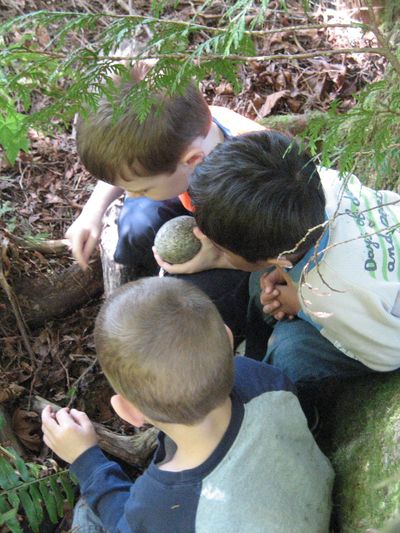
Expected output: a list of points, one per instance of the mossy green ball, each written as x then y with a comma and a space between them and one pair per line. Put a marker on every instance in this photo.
175, 241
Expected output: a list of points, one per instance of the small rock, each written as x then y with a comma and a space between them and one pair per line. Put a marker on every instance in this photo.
175, 241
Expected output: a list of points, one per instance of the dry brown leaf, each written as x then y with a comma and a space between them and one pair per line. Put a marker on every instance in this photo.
10, 392
271, 101
26, 425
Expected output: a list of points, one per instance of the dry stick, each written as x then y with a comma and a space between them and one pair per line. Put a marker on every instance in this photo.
134, 450
17, 311
48, 246
206, 57
194, 26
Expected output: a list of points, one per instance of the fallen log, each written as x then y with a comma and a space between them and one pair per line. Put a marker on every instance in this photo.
53, 296
294, 123
134, 450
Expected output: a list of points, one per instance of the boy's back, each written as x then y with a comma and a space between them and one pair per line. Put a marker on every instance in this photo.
266, 475
358, 273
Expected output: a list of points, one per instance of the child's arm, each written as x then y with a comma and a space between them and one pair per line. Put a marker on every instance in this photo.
85, 231
69, 433
207, 258
103, 484
279, 295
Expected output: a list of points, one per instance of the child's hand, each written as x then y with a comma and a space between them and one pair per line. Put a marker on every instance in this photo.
84, 234
207, 258
68, 433
279, 295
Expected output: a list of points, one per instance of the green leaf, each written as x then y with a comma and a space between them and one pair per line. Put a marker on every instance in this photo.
66, 482
10, 520
20, 466
59, 498
31, 510
3, 505
13, 499
49, 501
8, 478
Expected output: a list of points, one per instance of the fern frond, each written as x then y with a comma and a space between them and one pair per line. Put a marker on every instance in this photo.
27, 488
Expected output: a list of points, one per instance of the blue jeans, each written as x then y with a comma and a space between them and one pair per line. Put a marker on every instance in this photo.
85, 520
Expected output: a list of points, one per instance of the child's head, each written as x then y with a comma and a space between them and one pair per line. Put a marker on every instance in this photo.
257, 195
119, 150
164, 347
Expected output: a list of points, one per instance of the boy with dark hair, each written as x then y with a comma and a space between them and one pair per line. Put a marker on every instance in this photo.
335, 246
151, 161
234, 453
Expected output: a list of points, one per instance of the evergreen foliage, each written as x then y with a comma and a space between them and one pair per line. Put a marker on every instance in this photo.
365, 140
73, 76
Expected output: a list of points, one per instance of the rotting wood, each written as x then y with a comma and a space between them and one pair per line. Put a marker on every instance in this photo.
114, 274
294, 123
54, 295
134, 450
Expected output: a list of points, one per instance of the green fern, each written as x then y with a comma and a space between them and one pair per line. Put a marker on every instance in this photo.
27, 488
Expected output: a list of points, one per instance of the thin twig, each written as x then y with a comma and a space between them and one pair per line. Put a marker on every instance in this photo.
79, 379
16, 309
390, 56
210, 57
193, 26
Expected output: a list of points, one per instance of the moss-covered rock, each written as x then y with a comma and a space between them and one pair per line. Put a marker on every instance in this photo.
365, 452
175, 241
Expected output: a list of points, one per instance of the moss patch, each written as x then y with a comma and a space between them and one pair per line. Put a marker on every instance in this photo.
365, 452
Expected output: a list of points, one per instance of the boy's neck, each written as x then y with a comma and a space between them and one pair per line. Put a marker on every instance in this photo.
214, 136
196, 443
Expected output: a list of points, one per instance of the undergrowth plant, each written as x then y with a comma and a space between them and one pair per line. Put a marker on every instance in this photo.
48, 56
33, 490
43, 52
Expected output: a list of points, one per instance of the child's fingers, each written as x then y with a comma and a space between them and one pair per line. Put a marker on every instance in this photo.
269, 298
279, 316
63, 416
271, 307
49, 422
80, 417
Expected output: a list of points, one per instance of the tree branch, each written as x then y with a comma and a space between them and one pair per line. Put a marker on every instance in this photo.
390, 56
141, 19
210, 57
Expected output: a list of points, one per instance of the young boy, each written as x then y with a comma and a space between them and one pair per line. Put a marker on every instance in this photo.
151, 161
335, 245
234, 452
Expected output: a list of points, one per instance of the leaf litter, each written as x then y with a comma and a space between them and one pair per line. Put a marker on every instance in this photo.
47, 187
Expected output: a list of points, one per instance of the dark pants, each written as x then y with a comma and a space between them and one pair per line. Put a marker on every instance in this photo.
138, 223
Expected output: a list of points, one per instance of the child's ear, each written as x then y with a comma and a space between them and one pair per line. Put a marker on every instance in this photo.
127, 411
192, 157
230, 335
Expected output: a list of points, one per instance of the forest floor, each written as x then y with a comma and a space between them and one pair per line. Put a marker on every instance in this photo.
45, 190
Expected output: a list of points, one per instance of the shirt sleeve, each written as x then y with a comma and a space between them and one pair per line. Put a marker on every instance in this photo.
104, 485
253, 378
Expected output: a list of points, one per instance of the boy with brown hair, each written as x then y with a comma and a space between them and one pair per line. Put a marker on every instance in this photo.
151, 162
234, 452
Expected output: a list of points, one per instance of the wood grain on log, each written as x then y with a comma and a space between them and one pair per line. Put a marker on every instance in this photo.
134, 450
55, 295
114, 274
